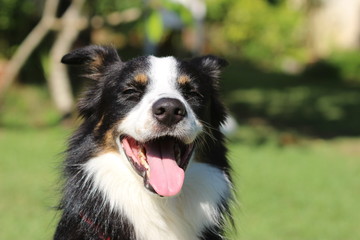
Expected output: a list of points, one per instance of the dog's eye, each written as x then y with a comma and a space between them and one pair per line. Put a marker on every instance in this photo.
132, 94
130, 91
192, 92
195, 94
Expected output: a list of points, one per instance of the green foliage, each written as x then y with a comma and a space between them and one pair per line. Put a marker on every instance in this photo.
304, 104
348, 64
17, 18
262, 32
180, 10
105, 7
217, 8
154, 27
13, 8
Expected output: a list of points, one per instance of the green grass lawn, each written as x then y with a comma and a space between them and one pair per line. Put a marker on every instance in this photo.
297, 192
303, 191
28, 181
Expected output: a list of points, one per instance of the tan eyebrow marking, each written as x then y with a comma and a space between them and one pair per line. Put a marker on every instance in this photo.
141, 78
97, 61
183, 79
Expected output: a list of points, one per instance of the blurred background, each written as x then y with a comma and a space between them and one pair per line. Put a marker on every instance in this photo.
292, 87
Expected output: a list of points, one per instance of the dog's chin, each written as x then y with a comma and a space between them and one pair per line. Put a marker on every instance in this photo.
161, 162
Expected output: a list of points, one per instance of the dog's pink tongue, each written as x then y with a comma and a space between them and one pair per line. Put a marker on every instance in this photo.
166, 177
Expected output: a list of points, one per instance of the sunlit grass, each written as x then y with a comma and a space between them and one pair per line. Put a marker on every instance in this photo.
28, 189
297, 192
27, 106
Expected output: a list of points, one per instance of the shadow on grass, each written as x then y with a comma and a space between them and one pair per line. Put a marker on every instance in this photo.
316, 103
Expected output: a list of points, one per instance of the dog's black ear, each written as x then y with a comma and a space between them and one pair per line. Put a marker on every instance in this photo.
94, 59
210, 65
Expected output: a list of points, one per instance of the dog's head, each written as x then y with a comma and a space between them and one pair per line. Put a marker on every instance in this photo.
155, 111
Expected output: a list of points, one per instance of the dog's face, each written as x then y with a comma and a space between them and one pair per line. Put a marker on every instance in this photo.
152, 110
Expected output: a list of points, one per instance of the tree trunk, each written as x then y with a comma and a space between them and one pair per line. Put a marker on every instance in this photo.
28, 45
58, 79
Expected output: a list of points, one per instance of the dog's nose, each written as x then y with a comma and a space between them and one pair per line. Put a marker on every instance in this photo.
168, 111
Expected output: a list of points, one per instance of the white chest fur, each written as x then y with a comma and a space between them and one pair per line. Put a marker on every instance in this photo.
154, 218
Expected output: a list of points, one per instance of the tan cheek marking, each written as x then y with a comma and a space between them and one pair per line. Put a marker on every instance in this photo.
141, 78
183, 79
109, 139
109, 142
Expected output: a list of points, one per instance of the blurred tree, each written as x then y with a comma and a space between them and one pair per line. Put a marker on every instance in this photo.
29, 44
165, 16
283, 34
263, 32
332, 26
16, 18
272, 33
72, 23
58, 80
66, 18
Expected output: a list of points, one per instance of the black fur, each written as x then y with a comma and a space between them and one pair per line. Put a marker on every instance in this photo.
84, 215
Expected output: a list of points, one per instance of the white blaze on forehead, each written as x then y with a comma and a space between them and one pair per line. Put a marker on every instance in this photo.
163, 75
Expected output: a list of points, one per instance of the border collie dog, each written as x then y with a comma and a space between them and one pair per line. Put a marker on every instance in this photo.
148, 162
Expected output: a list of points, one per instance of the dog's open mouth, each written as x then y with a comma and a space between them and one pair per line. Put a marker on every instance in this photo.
161, 162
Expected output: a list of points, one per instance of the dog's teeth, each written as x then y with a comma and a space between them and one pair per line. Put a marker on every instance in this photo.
141, 154
145, 164
142, 158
